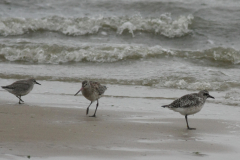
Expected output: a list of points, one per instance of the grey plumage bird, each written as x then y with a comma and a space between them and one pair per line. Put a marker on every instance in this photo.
92, 91
189, 104
21, 88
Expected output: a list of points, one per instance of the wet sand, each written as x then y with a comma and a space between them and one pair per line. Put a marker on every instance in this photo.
50, 132
52, 124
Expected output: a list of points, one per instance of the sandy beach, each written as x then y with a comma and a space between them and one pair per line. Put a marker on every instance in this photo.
147, 53
124, 128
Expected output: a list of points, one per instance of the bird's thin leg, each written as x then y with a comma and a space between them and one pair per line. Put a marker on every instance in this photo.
187, 124
19, 97
88, 108
95, 110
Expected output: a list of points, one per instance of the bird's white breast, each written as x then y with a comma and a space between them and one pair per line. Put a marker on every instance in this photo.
189, 110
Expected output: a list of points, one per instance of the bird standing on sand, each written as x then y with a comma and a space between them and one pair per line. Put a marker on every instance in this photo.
189, 104
92, 91
21, 88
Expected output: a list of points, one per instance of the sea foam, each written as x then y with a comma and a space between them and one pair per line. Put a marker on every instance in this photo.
164, 25
105, 53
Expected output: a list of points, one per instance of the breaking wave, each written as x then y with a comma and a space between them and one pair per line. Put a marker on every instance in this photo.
163, 25
56, 54
232, 98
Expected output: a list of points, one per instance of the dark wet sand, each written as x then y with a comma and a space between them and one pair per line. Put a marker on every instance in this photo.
55, 132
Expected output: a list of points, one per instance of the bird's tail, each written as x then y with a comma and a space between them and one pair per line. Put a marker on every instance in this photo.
165, 106
7, 88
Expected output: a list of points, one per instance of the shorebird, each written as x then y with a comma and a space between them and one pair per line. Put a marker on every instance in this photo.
21, 88
92, 91
189, 104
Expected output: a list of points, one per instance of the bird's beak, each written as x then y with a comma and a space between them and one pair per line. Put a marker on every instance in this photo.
209, 96
78, 92
37, 83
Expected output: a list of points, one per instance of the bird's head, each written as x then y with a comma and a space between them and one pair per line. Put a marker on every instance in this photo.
206, 94
85, 85
34, 81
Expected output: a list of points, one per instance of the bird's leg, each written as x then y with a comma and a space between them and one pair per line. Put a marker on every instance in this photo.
88, 108
95, 110
187, 124
19, 97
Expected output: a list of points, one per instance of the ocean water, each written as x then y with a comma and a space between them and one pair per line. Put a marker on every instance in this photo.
160, 44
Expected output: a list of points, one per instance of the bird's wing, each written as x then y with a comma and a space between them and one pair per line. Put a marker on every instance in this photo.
101, 89
186, 101
98, 87
20, 84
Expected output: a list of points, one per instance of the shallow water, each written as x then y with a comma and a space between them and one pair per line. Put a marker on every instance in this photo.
171, 44
179, 45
